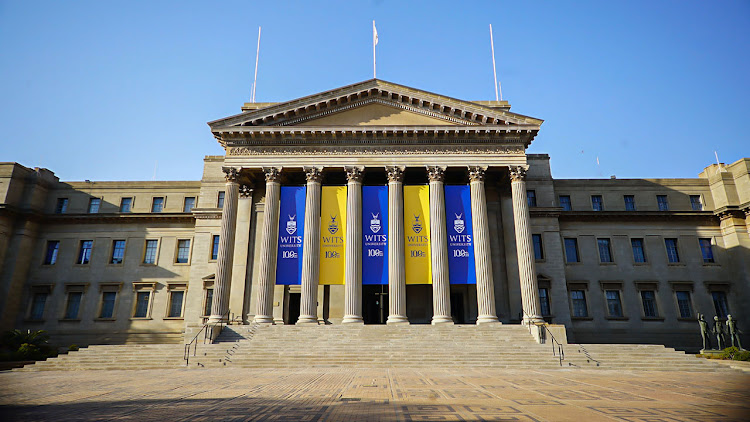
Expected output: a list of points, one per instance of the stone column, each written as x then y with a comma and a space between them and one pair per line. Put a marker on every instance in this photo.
482, 258
308, 313
441, 304
396, 272
353, 254
268, 247
223, 279
524, 247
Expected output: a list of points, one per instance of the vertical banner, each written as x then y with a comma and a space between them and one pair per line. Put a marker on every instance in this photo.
332, 234
291, 232
461, 266
417, 234
375, 235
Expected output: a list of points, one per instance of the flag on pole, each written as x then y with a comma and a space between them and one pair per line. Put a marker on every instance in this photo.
374, 43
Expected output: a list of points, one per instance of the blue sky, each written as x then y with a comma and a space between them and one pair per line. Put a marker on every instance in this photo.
105, 90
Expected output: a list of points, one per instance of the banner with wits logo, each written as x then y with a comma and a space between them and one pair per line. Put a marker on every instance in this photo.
291, 232
332, 234
375, 235
461, 266
417, 234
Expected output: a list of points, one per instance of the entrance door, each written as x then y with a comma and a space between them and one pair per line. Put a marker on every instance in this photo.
375, 304
294, 301
457, 308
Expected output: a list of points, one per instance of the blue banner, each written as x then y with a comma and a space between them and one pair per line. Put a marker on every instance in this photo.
461, 266
374, 234
291, 232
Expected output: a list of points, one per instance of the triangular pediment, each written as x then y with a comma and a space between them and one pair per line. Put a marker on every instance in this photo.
375, 113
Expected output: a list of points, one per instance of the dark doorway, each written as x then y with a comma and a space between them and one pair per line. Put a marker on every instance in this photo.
375, 304
457, 308
294, 299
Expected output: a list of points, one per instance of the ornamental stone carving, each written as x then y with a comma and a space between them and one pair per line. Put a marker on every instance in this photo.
272, 174
313, 174
460, 149
517, 173
245, 191
354, 174
476, 173
231, 174
436, 173
395, 173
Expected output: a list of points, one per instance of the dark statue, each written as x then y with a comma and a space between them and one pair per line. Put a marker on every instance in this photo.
734, 333
704, 332
718, 330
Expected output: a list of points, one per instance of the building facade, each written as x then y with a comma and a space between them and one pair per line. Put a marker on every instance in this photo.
375, 203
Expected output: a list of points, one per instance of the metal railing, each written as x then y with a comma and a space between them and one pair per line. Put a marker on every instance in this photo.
207, 331
589, 359
557, 348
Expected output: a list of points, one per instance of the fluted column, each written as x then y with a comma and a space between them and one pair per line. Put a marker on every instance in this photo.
308, 313
268, 247
396, 264
441, 305
223, 278
524, 247
353, 254
482, 258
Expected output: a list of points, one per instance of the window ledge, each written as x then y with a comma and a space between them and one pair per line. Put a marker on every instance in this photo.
181, 264
144, 264
141, 318
608, 263
105, 319
580, 318
174, 318
675, 264
711, 264
616, 318
691, 319
69, 320
652, 318
34, 321
114, 265
573, 263
82, 265
641, 264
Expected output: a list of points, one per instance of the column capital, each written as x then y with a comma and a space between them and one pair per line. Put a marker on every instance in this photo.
395, 173
517, 173
245, 191
354, 173
476, 173
272, 174
231, 174
436, 173
313, 174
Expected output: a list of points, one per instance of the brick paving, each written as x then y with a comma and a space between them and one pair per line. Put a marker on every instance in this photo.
578, 395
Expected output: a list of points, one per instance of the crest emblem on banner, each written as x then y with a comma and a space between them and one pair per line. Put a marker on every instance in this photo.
333, 226
291, 225
458, 224
375, 223
416, 225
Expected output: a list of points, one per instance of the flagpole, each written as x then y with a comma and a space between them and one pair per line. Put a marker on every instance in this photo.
494, 71
255, 79
374, 42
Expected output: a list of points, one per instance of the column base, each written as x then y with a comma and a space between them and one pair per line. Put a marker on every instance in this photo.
307, 320
487, 319
352, 319
533, 320
216, 319
263, 319
397, 319
442, 320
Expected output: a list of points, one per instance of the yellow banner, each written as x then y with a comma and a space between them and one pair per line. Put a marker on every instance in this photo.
417, 234
332, 234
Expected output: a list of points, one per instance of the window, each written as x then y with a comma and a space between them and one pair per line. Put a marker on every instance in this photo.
639, 254
118, 251
73, 305
578, 299
50, 255
531, 198
157, 205
94, 204
84, 253
571, 250
720, 303
189, 204
175, 303
220, 200
149, 255
629, 202
208, 302
695, 203
683, 304
215, 248
565, 203
183, 251
107, 309
605, 253
37, 305
706, 251
126, 204
538, 249
62, 206
614, 306
142, 299
672, 254
597, 203
544, 301
663, 203
648, 299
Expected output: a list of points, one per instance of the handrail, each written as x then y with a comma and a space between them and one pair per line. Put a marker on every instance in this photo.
560, 354
204, 330
589, 359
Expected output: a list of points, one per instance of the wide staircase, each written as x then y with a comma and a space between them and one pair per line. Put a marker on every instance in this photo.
371, 346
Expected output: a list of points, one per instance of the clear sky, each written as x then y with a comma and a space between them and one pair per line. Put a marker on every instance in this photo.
102, 90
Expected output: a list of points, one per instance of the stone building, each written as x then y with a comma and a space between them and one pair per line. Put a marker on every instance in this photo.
374, 203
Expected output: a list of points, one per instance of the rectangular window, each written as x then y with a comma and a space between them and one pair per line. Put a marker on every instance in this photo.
663, 202
126, 204
108, 305
149, 256
565, 203
157, 205
209, 302
62, 206
37, 305
683, 304
648, 298
183, 251
571, 250
597, 204
538, 247
50, 255
84, 253
118, 251
706, 251
215, 247
175, 303
73, 305
614, 306
189, 204
94, 204
544, 301
605, 253
629, 202
578, 297
531, 198
220, 200
639, 253
695, 203
142, 299
672, 254
720, 303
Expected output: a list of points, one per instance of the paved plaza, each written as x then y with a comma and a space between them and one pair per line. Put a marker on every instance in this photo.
379, 395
